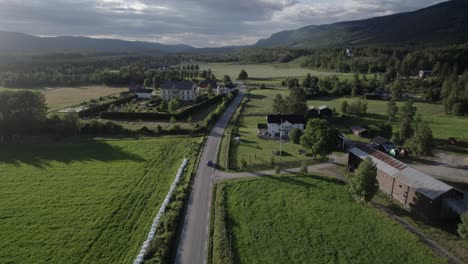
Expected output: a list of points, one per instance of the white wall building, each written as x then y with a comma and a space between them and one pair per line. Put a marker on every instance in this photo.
283, 124
222, 90
184, 90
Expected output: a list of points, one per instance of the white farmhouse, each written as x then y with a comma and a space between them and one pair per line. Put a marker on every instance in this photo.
184, 90
281, 125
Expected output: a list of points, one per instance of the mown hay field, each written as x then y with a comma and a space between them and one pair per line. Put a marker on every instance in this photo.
57, 98
89, 202
309, 219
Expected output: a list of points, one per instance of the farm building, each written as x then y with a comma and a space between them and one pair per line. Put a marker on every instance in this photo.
414, 189
281, 125
313, 112
359, 131
383, 144
184, 90
424, 74
262, 130
325, 111
222, 90
140, 91
204, 84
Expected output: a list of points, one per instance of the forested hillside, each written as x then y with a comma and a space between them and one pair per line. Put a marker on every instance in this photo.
444, 23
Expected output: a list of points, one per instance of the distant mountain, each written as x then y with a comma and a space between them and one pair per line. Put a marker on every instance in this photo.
10, 41
444, 23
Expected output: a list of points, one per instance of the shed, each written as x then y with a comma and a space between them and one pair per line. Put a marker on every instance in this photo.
313, 112
325, 111
359, 131
414, 189
382, 144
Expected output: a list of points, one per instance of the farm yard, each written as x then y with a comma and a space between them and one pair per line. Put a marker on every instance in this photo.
259, 151
88, 202
306, 219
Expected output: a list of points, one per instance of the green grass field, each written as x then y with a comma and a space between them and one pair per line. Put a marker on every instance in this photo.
262, 71
90, 202
309, 219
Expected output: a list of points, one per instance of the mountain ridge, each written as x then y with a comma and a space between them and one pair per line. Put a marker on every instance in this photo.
446, 21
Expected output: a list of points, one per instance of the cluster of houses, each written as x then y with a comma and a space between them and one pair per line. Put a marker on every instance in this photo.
277, 126
183, 90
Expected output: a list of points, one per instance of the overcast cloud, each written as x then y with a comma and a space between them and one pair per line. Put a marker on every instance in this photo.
199, 23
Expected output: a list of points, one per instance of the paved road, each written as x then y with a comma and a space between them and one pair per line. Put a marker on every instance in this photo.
195, 234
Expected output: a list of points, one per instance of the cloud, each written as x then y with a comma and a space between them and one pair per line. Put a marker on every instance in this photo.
195, 22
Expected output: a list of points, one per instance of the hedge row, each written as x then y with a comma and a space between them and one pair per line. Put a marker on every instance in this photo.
104, 107
161, 116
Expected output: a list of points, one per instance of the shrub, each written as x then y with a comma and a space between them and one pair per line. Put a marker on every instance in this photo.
304, 167
463, 226
295, 135
277, 170
457, 109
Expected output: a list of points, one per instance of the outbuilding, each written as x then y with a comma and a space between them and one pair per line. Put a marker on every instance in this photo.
425, 195
325, 111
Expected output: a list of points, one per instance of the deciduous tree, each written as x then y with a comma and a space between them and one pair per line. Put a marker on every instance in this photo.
364, 185
319, 138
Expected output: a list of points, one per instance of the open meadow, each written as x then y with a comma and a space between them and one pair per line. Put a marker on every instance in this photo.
306, 219
263, 72
87, 202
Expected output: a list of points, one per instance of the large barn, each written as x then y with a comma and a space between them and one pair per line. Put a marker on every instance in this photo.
416, 190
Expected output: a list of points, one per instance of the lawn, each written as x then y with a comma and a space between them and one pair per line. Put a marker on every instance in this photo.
58, 98
307, 219
259, 152
443, 126
89, 202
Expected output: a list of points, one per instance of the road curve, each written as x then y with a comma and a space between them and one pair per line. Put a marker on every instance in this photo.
195, 234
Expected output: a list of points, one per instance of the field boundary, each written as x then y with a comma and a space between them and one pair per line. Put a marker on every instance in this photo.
162, 209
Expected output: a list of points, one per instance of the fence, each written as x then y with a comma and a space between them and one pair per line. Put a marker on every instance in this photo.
152, 233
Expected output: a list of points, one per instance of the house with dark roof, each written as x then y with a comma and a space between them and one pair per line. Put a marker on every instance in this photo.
141, 91
425, 195
325, 111
313, 112
359, 131
281, 125
204, 84
183, 90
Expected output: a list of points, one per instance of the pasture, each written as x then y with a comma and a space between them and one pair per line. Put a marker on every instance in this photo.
57, 98
88, 202
262, 72
307, 219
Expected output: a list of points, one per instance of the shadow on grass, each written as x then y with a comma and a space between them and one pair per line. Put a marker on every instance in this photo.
42, 155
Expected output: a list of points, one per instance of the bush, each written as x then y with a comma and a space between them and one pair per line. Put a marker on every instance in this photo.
277, 170
243, 163
295, 135
457, 109
304, 167
463, 226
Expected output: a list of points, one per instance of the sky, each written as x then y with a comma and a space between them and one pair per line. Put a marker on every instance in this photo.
200, 23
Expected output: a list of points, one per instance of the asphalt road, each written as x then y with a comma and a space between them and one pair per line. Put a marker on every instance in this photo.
195, 235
